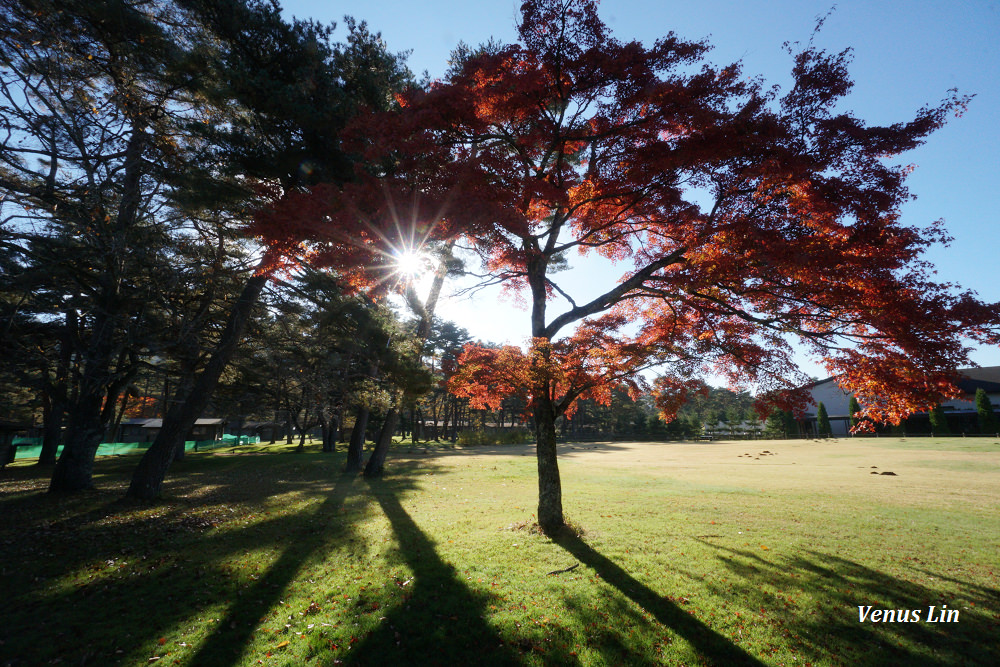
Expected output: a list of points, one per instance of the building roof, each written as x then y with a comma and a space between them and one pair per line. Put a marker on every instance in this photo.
968, 381
158, 423
987, 379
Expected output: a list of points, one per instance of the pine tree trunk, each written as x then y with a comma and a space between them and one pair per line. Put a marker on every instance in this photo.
52, 421
86, 418
550, 512
75, 467
356, 448
57, 395
147, 479
328, 424
181, 450
435, 434
376, 462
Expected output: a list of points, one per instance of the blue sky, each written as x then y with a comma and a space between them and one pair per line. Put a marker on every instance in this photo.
907, 54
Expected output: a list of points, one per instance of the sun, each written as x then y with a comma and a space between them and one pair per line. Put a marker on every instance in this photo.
411, 264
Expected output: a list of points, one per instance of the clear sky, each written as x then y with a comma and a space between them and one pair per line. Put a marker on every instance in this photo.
907, 54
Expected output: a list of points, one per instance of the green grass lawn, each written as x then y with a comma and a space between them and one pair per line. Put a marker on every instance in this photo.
686, 554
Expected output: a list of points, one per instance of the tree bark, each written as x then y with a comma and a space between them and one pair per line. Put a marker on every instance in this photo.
147, 479
376, 462
52, 421
356, 448
550, 512
75, 467
329, 424
57, 395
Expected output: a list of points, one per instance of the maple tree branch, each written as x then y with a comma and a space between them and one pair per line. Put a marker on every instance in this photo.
786, 324
559, 289
483, 284
613, 296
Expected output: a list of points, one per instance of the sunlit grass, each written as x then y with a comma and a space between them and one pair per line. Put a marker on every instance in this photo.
702, 553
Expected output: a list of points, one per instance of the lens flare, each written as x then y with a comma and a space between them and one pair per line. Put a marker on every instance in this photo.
411, 264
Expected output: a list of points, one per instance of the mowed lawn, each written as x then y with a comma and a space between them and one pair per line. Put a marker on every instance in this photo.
714, 553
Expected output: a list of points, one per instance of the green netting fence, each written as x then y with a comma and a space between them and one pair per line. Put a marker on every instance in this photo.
30, 448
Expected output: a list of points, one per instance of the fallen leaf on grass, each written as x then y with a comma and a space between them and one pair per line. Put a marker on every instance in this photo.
283, 644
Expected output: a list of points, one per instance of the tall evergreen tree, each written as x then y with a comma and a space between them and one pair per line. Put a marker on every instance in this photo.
791, 424
985, 417
823, 421
293, 92
853, 409
939, 421
93, 101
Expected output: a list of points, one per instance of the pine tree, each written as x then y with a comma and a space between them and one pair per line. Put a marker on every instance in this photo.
984, 412
939, 421
823, 421
775, 424
93, 108
791, 424
853, 409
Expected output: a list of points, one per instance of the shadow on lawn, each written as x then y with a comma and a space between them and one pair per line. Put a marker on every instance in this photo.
841, 586
228, 642
101, 524
711, 646
441, 621
105, 578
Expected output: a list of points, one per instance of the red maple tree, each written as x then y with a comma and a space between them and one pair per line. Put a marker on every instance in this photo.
739, 215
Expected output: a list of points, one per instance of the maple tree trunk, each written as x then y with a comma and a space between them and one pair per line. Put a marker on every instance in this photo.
356, 448
550, 512
376, 462
147, 479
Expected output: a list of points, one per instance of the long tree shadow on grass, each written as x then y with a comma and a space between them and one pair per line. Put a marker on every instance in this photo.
815, 597
228, 642
711, 646
441, 621
48, 536
141, 571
